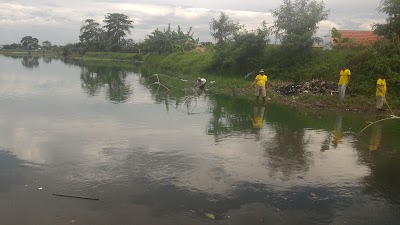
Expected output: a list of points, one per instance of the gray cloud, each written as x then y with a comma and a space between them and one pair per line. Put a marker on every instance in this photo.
59, 21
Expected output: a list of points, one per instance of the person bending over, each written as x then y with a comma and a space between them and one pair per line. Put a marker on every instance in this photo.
201, 83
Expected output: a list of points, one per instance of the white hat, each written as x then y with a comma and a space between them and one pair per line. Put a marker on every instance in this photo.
262, 71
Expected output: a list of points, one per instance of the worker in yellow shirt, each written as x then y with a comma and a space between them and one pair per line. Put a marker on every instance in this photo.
344, 81
261, 83
380, 91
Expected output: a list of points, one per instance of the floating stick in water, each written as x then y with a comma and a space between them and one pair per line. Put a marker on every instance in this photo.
73, 196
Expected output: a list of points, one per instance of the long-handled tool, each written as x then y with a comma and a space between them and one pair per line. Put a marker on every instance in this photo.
384, 98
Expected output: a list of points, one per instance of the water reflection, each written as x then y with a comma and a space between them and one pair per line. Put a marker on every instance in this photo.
221, 155
337, 132
94, 78
230, 118
379, 152
259, 116
286, 153
376, 136
258, 121
30, 61
201, 92
47, 60
10, 170
334, 137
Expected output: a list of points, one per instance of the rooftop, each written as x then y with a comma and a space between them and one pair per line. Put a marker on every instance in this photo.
359, 37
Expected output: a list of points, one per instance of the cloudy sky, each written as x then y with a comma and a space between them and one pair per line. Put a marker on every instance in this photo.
58, 21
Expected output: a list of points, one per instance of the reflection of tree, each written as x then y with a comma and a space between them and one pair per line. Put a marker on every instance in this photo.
72, 61
90, 82
230, 116
286, 152
47, 60
118, 90
30, 62
113, 79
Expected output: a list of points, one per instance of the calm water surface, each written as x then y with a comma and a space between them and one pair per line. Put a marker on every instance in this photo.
98, 130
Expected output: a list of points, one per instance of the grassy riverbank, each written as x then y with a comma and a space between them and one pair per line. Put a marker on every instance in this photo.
33, 53
187, 66
240, 88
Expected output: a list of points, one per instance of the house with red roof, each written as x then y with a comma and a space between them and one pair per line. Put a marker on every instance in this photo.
355, 38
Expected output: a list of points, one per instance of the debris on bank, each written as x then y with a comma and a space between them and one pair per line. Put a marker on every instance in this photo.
314, 86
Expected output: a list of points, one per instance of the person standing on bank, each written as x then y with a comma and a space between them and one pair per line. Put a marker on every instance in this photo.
380, 91
201, 83
343, 82
261, 83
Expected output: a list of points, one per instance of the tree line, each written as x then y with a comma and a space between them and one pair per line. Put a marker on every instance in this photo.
111, 36
236, 48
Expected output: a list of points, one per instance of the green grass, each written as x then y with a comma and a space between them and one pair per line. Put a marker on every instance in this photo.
189, 63
37, 53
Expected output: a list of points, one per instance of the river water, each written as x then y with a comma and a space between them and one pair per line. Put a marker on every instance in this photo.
98, 130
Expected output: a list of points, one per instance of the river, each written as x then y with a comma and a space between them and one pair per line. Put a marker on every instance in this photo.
107, 131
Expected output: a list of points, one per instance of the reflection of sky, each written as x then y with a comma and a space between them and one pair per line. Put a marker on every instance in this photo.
47, 119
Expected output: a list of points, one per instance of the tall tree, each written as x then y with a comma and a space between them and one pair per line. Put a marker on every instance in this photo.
296, 23
117, 26
170, 40
392, 9
223, 29
90, 32
29, 42
46, 44
249, 48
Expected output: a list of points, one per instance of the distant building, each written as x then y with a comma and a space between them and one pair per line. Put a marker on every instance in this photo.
355, 38
200, 48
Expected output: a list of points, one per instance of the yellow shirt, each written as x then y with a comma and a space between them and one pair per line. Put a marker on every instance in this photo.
344, 77
258, 122
261, 80
382, 85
